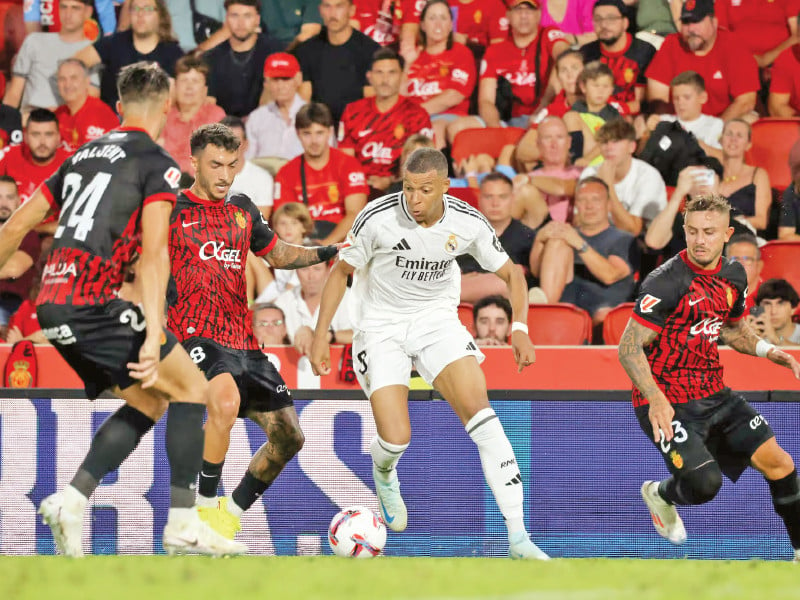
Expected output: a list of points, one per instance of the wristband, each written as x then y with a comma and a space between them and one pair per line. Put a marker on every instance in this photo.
763, 347
517, 326
325, 253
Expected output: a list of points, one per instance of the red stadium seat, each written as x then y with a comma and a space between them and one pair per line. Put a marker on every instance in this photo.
772, 141
465, 316
559, 324
782, 260
615, 322
466, 194
489, 140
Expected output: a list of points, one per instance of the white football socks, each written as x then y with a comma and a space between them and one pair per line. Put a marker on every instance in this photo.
499, 467
385, 456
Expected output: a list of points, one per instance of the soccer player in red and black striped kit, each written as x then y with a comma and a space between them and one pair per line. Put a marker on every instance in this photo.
113, 195
669, 350
210, 237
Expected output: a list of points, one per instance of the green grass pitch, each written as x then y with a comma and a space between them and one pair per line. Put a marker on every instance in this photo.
284, 578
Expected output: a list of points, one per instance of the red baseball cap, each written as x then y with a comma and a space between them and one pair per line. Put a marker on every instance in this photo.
282, 65
515, 3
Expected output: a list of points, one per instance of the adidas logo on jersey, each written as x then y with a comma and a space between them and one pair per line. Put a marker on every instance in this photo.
402, 245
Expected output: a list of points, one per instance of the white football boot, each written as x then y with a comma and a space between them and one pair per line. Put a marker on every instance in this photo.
665, 517
521, 547
64, 516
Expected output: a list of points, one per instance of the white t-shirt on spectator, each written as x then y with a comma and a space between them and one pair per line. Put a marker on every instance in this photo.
297, 314
284, 279
254, 182
642, 191
270, 135
705, 128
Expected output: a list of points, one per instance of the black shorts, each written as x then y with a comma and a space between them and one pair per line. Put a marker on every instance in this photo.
261, 387
99, 341
723, 428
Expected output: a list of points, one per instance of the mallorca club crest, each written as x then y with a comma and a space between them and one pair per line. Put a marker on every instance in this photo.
333, 194
451, 245
240, 220
20, 376
729, 296
676, 459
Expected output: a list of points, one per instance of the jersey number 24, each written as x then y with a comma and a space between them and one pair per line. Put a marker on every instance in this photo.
79, 208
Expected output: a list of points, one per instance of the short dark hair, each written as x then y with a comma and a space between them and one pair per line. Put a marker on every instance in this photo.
497, 176
387, 54
743, 238
494, 300
592, 179
11, 180
214, 134
42, 115
235, 122
142, 82
265, 305
595, 70
190, 62
423, 160
689, 78
710, 202
311, 113
254, 3
615, 131
777, 288
570, 52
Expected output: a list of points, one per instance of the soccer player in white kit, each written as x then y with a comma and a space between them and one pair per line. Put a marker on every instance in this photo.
402, 249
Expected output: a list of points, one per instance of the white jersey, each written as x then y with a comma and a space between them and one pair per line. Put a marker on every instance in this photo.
404, 269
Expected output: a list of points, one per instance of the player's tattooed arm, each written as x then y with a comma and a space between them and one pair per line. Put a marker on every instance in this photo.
291, 256
633, 359
739, 336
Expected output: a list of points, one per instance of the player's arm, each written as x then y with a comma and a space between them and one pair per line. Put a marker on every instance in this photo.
153, 273
25, 218
524, 352
332, 295
353, 203
741, 337
290, 256
633, 359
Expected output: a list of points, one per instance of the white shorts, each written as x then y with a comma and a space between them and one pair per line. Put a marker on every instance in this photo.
386, 357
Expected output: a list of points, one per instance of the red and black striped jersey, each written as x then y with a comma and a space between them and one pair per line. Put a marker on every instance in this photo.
208, 245
100, 192
628, 65
688, 306
377, 138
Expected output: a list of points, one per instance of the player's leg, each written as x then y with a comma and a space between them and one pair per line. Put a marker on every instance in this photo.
223, 409
696, 476
779, 470
748, 433
463, 385
187, 388
116, 438
383, 369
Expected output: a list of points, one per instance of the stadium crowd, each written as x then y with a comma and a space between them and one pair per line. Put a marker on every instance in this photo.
577, 127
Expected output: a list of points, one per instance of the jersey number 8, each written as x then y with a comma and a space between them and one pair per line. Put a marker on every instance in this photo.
81, 210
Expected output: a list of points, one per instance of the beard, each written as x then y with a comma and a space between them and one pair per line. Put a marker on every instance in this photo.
695, 43
609, 40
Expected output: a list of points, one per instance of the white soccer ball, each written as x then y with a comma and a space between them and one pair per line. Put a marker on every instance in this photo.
357, 532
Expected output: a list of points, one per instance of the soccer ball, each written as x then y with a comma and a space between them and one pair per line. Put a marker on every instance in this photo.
358, 532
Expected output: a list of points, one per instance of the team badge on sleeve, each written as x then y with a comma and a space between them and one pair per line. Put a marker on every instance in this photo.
647, 303
172, 177
240, 220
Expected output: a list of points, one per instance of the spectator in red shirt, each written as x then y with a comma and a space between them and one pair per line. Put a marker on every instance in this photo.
441, 74
190, 110
82, 117
477, 22
626, 55
525, 60
16, 277
331, 183
375, 129
766, 27
378, 19
24, 323
784, 89
729, 70
39, 155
